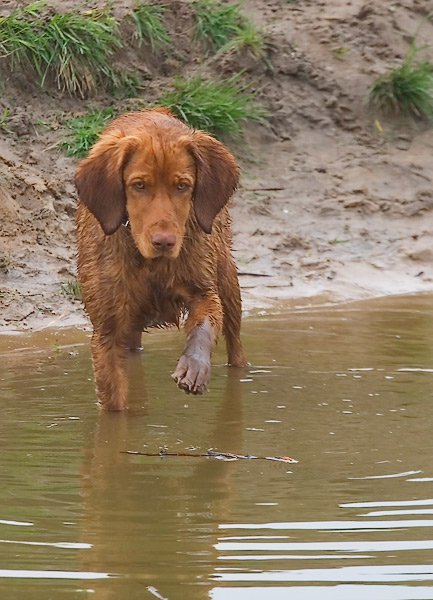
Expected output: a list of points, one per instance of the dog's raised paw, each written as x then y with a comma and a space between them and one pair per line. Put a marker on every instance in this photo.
192, 374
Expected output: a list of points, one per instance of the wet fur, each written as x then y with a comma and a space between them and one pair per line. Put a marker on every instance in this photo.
126, 285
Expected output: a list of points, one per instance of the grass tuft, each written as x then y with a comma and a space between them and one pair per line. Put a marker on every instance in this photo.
71, 289
149, 25
217, 107
73, 48
216, 24
249, 38
81, 46
18, 35
130, 85
340, 51
83, 131
405, 91
6, 262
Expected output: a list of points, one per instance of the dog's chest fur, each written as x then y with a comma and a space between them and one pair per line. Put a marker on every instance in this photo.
163, 288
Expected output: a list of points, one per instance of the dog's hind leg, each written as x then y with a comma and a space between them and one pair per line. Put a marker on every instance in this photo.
229, 292
133, 341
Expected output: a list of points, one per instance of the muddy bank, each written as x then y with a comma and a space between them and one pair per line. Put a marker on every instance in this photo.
330, 208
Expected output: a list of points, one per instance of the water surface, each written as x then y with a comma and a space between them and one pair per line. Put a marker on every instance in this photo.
347, 391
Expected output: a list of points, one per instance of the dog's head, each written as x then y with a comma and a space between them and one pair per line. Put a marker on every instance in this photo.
150, 168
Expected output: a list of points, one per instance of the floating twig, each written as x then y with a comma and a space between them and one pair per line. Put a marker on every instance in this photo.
212, 454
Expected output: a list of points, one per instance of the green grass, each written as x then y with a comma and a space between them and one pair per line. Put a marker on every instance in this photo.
249, 38
404, 91
219, 107
216, 24
4, 117
83, 131
6, 262
18, 35
130, 85
149, 26
340, 51
73, 48
71, 289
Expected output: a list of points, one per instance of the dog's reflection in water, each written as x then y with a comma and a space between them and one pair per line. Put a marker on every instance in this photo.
154, 521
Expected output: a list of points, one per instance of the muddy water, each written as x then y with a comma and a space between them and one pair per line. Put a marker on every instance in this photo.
346, 391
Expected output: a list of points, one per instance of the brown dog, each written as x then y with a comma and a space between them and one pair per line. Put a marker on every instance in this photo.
154, 243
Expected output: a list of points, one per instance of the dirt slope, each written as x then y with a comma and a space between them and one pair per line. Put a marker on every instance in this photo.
330, 208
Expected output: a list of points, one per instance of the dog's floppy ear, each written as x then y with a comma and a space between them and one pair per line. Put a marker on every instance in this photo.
99, 179
217, 177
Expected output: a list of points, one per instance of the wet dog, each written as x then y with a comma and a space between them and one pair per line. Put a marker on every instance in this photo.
154, 244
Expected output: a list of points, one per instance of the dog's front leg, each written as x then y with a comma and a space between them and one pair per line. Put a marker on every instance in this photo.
109, 367
203, 326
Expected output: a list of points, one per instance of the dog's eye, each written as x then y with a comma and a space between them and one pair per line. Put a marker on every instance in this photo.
181, 186
139, 184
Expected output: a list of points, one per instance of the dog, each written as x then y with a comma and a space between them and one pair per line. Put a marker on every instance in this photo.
154, 245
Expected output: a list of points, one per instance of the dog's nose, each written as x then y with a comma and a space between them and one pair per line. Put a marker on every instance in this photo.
163, 241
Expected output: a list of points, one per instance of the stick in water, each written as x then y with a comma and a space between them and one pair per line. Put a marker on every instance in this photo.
212, 454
